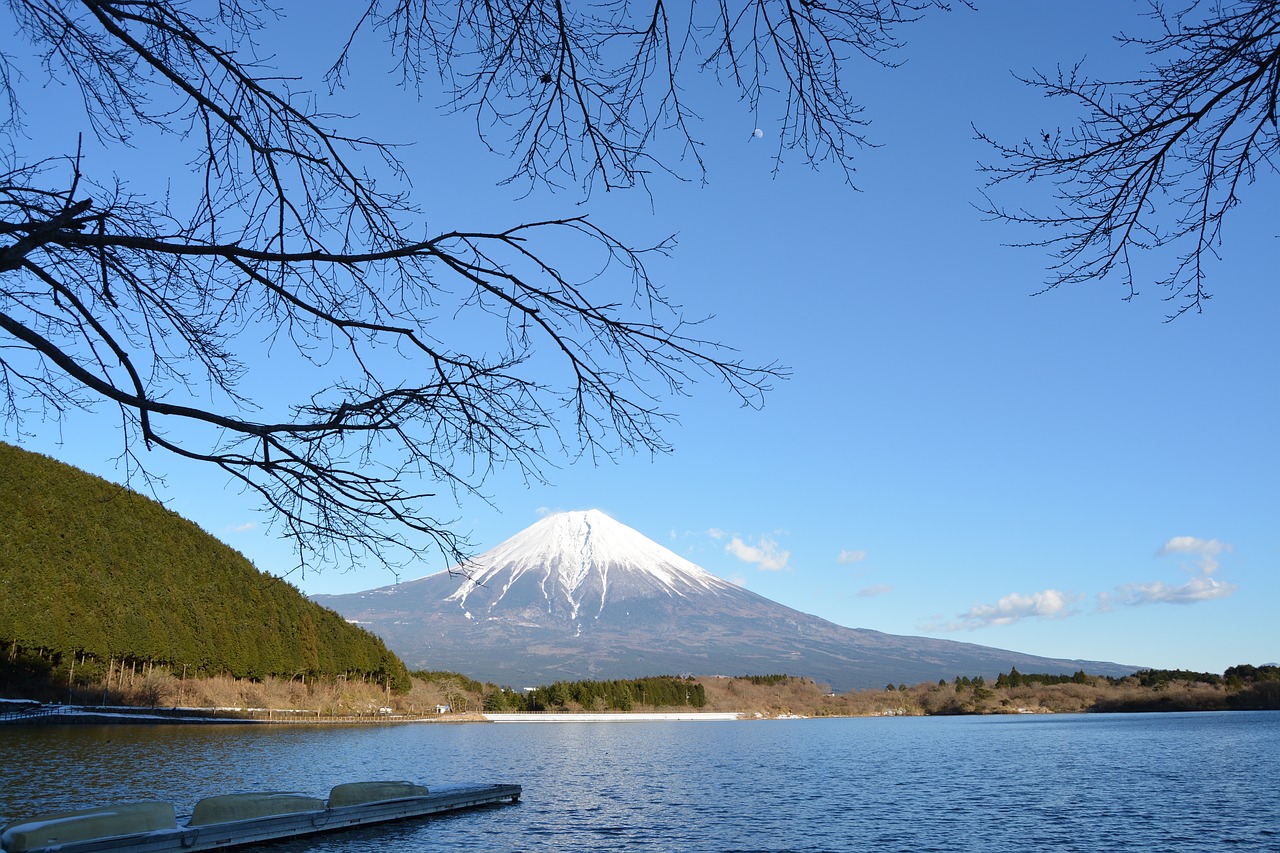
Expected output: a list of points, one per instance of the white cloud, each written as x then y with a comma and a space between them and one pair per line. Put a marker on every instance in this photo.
1048, 604
1191, 545
716, 533
766, 554
872, 591
1205, 550
848, 556
243, 528
1053, 604
1200, 588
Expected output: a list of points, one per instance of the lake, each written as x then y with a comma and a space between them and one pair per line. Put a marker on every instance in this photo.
1090, 782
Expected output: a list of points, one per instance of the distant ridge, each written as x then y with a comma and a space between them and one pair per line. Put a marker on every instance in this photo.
578, 595
92, 571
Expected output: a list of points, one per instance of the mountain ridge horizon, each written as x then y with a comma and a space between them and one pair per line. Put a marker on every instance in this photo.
578, 595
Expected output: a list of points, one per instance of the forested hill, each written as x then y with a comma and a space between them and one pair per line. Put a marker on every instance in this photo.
92, 574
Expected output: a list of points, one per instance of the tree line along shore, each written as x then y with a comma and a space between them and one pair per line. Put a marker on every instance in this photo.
452, 696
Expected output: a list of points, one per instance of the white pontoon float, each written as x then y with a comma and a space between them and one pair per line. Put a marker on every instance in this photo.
235, 819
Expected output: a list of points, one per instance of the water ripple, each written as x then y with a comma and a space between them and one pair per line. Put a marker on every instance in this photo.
1124, 783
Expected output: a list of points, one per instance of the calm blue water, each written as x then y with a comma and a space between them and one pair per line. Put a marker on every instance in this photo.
1137, 782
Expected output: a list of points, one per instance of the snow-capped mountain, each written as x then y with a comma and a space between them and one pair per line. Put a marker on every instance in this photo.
578, 595
573, 565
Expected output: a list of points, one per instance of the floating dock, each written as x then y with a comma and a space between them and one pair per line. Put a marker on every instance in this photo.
233, 820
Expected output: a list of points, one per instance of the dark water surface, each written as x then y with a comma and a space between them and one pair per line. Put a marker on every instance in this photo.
1099, 782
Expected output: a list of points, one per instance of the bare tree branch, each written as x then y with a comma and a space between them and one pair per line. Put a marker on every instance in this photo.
596, 93
291, 249
1158, 161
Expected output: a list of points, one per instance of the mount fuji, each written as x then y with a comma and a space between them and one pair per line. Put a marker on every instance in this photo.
580, 596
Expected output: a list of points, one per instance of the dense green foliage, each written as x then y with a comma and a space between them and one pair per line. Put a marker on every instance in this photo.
1155, 677
766, 680
94, 575
618, 695
1246, 673
1016, 679
1236, 676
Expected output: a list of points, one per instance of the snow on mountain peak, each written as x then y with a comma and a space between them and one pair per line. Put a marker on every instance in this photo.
577, 558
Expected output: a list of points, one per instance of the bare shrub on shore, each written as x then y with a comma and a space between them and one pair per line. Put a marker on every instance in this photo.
772, 696
160, 687
1174, 696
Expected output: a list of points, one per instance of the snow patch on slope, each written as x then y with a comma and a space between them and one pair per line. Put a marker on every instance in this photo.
575, 553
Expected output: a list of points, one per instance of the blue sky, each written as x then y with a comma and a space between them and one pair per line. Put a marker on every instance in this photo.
1063, 474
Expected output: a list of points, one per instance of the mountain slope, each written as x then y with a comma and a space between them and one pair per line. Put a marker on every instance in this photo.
88, 567
579, 595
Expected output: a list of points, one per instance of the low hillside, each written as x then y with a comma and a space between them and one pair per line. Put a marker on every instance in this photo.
95, 577
1243, 687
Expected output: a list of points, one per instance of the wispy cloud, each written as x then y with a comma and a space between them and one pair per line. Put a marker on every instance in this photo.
849, 556
1047, 604
1205, 551
243, 528
765, 553
1199, 588
1202, 586
1203, 563
873, 591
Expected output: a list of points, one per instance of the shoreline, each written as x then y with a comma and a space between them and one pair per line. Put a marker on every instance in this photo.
17, 712
619, 717
36, 714
60, 715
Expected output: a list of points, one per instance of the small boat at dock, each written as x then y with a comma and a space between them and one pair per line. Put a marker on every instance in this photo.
232, 820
